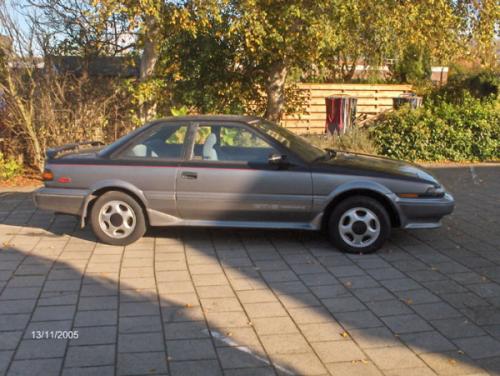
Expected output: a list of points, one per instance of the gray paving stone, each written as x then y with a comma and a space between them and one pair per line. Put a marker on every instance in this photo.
54, 313
374, 337
406, 323
239, 357
330, 291
285, 344
299, 363
139, 309
358, 320
5, 358
424, 342
338, 351
58, 298
479, 347
353, 368
194, 349
196, 368
42, 326
152, 363
372, 294
97, 303
436, 311
9, 340
389, 307
359, 282
86, 356
140, 324
254, 371
13, 322
401, 284
343, 304
100, 335
451, 363
462, 300
186, 330
41, 348
140, 342
274, 325
38, 367
457, 328
394, 357
388, 273
96, 318
89, 371
417, 296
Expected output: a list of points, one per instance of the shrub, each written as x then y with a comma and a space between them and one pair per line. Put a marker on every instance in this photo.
355, 139
469, 130
483, 85
9, 168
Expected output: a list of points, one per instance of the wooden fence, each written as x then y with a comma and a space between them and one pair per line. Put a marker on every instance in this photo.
372, 100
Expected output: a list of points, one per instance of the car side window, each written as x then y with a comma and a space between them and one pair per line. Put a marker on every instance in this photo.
230, 143
165, 142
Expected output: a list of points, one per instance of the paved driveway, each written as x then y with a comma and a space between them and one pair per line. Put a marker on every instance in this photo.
207, 302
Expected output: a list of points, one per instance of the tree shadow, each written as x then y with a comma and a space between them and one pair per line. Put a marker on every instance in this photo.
196, 301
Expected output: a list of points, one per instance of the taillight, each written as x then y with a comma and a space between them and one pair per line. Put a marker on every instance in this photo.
47, 175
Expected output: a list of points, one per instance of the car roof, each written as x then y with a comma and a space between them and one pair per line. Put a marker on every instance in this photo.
240, 118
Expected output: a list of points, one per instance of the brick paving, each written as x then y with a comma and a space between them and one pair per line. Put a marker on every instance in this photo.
213, 302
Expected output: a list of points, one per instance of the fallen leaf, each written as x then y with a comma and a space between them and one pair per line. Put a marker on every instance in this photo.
460, 352
344, 334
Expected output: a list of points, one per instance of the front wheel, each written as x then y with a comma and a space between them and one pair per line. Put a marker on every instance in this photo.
359, 224
117, 219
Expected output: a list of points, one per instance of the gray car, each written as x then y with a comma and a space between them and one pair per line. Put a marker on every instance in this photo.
237, 171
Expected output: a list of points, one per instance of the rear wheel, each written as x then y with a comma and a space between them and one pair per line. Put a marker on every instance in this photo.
359, 224
117, 219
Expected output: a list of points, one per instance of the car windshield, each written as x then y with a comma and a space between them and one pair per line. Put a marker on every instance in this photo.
290, 140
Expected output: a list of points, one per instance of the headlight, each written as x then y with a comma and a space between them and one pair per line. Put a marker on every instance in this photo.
431, 192
434, 192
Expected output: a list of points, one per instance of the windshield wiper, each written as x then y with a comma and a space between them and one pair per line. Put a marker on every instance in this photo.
330, 154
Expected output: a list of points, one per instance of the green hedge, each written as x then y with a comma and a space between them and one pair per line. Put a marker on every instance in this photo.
441, 130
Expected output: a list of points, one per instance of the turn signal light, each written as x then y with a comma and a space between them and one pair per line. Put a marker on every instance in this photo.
47, 175
408, 195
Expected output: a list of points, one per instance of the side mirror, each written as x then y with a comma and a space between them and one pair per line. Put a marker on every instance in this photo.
278, 160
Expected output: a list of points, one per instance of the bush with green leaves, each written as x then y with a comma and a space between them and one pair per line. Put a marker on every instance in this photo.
9, 168
467, 130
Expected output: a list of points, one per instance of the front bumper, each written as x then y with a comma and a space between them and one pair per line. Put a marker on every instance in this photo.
61, 200
424, 212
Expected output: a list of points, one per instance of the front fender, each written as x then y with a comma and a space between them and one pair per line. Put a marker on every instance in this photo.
322, 203
109, 184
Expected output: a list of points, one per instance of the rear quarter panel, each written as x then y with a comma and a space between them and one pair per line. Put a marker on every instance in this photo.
155, 185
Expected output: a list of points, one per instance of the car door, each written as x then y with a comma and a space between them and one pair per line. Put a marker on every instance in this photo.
227, 177
150, 161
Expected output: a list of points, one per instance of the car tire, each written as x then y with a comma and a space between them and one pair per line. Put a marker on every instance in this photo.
359, 225
117, 219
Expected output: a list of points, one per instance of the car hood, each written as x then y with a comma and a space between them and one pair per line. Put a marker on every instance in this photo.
363, 164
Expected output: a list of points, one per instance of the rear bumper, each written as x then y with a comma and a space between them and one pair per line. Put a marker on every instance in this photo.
425, 212
61, 200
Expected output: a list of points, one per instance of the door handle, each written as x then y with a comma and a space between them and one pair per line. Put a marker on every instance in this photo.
189, 175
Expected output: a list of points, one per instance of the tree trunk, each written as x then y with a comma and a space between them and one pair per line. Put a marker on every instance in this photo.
275, 89
148, 62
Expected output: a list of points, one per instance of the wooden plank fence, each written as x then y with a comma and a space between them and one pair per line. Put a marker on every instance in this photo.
372, 100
